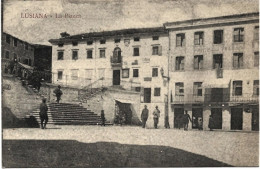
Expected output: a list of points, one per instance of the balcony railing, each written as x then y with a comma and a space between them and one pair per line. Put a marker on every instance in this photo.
116, 60
216, 98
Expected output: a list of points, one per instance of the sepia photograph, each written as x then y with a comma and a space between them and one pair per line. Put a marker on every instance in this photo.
129, 83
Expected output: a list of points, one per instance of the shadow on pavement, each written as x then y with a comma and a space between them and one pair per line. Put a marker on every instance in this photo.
70, 153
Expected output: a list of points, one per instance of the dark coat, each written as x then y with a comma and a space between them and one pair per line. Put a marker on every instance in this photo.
186, 118
145, 114
58, 92
43, 111
211, 123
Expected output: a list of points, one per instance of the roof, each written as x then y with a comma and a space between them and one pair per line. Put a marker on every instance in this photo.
114, 33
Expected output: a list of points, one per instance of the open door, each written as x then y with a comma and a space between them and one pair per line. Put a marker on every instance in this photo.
116, 77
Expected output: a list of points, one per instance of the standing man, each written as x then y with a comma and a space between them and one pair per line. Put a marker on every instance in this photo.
211, 123
144, 115
186, 119
43, 113
103, 119
156, 115
58, 93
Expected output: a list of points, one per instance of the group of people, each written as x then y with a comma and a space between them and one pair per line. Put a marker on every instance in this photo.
145, 114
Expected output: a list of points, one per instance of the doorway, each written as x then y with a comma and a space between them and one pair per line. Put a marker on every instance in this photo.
255, 119
116, 77
197, 118
147, 95
216, 114
123, 113
178, 114
236, 118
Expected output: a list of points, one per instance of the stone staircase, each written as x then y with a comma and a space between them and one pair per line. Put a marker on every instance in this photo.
69, 114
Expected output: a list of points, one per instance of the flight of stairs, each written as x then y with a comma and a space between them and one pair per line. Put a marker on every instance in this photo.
68, 114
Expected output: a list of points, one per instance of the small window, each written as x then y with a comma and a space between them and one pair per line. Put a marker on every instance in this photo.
135, 72
238, 60
15, 42
102, 41
7, 54
137, 89
136, 39
125, 73
157, 91
8, 39
117, 40
155, 37
238, 34
136, 51
180, 40
197, 89
198, 38
218, 36
179, 89
60, 75
256, 59
74, 55
90, 42
237, 88
256, 33
102, 53
217, 61
74, 74
179, 64
60, 44
155, 72
198, 62
26, 46
75, 43
89, 54
60, 55
155, 50
256, 88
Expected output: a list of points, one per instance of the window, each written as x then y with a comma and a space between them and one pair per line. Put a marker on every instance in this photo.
237, 88
238, 60
256, 88
157, 91
217, 61
136, 39
102, 41
26, 46
179, 89
60, 75
125, 73
238, 34
75, 43
89, 54
218, 36
102, 53
8, 39
135, 72
74, 55
256, 59
15, 42
90, 42
197, 89
15, 57
60, 55
74, 74
256, 33
180, 40
60, 44
198, 38
136, 51
157, 50
155, 72
7, 54
137, 89
198, 62
179, 64
155, 37
117, 40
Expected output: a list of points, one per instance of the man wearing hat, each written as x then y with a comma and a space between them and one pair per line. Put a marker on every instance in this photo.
156, 115
58, 93
43, 113
144, 115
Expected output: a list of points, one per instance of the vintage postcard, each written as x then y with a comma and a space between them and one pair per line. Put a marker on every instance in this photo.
137, 83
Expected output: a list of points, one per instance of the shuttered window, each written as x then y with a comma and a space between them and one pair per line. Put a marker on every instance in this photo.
179, 63
179, 89
237, 88
198, 62
238, 34
238, 60
198, 38
197, 89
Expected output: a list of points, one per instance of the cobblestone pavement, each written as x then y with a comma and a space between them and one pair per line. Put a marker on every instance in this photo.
233, 148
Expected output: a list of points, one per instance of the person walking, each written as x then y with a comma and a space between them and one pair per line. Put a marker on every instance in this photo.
156, 115
43, 113
58, 93
186, 119
103, 119
144, 116
211, 123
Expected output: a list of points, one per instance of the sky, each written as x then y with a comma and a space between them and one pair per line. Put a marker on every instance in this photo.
103, 15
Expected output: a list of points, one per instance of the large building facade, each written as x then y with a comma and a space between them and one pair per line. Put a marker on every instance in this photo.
214, 70
205, 66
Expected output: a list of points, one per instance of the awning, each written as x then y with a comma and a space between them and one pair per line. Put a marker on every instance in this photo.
217, 83
125, 101
26, 66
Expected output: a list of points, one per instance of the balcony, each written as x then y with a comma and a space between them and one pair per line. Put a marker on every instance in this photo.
116, 61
